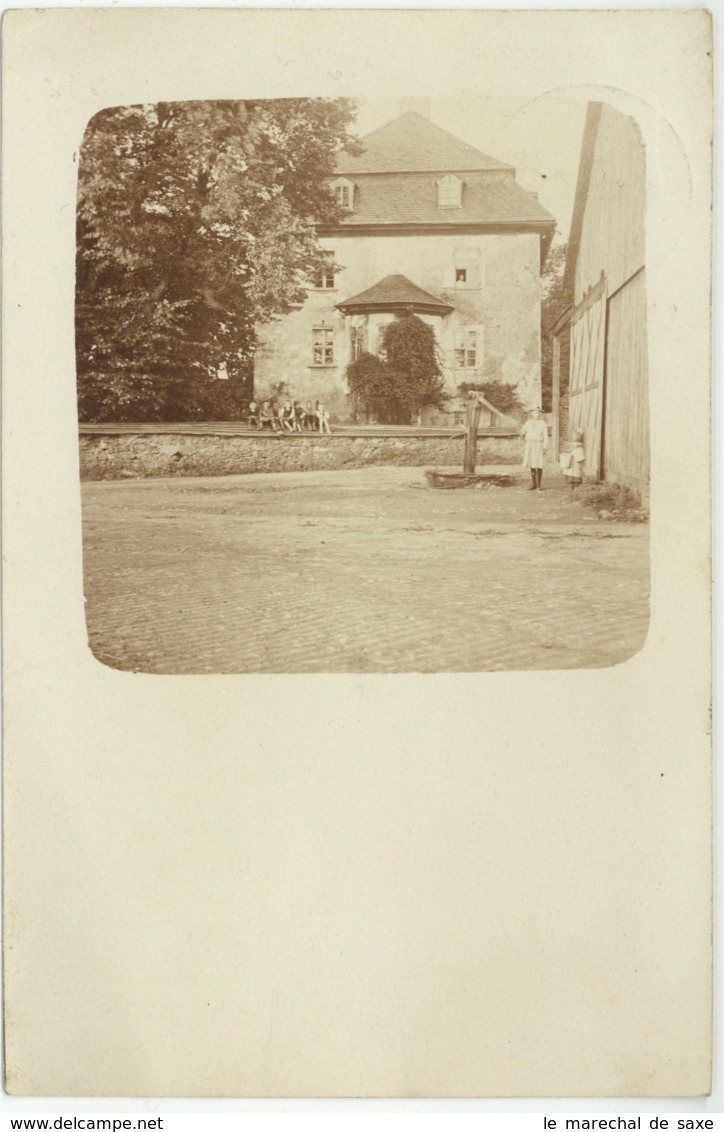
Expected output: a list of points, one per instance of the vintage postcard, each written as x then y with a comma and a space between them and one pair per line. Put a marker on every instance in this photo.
357, 587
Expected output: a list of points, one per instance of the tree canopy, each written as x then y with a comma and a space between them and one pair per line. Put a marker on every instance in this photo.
394, 389
368, 380
195, 221
556, 297
502, 395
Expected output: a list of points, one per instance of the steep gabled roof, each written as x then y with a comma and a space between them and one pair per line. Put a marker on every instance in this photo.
395, 187
413, 144
395, 292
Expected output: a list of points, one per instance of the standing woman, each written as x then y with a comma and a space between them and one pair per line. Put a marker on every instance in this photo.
535, 434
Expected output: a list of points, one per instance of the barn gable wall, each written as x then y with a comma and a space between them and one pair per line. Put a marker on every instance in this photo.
608, 387
613, 231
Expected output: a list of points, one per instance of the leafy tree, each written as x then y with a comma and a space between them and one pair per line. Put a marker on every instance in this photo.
412, 356
195, 221
372, 390
556, 297
500, 394
394, 390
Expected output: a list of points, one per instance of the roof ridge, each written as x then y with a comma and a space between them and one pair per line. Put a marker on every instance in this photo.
432, 125
379, 129
410, 143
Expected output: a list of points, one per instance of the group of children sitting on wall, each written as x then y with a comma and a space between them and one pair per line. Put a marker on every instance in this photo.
292, 416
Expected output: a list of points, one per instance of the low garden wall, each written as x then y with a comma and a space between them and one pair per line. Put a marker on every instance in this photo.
137, 455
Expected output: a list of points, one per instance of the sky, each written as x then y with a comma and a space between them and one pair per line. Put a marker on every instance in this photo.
541, 139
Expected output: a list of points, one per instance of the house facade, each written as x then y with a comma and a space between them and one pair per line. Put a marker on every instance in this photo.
605, 394
429, 225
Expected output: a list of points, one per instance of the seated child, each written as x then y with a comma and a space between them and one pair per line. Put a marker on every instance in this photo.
286, 416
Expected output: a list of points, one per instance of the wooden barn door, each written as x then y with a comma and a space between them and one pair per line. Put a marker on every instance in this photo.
588, 352
626, 425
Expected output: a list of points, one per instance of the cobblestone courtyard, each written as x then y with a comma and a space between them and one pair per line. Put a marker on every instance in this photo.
367, 570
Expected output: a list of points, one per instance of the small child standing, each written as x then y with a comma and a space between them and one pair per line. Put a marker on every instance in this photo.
572, 461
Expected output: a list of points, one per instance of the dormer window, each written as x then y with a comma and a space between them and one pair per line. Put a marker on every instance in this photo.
344, 192
449, 192
344, 195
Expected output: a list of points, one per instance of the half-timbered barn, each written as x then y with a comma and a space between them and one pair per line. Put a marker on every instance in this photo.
605, 393
429, 225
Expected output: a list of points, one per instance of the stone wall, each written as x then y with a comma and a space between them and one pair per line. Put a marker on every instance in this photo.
138, 455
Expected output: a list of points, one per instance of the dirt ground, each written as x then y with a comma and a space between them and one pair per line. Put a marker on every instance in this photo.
367, 570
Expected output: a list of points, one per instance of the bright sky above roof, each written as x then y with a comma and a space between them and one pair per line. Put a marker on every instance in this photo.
540, 138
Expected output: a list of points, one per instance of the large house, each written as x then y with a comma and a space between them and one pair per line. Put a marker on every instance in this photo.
430, 225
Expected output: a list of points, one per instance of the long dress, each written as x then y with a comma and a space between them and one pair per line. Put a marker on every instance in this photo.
574, 471
535, 434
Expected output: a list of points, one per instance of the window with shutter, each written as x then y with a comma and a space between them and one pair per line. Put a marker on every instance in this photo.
358, 341
324, 280
322, 346
466, 349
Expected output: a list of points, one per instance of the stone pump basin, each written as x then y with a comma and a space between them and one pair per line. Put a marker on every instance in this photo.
449, 479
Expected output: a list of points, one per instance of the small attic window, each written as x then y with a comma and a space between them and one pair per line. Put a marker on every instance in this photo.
344, 192
449, 192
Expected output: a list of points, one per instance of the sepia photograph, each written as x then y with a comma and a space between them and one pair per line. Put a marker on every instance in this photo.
357, 561
362, 385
